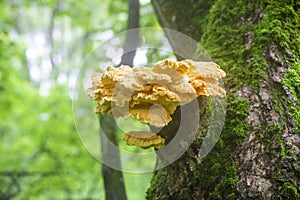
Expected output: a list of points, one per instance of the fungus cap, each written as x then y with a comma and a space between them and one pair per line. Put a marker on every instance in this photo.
151, 95
144, 139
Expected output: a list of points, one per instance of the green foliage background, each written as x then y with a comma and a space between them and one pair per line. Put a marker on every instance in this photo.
41, 155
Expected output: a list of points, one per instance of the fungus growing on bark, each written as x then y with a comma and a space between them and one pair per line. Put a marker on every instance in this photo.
144, 139
151, 95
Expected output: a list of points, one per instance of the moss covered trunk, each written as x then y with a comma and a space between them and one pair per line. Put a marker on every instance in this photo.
257, 156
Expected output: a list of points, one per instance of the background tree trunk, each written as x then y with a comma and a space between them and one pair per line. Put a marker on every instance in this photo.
132, 37
257, 156
113, 178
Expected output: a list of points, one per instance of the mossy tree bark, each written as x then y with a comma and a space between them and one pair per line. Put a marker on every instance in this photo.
257, 156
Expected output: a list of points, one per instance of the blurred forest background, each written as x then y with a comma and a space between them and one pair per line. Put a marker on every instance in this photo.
42, 45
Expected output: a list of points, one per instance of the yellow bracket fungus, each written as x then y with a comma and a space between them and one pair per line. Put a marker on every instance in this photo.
151, 95
144, 139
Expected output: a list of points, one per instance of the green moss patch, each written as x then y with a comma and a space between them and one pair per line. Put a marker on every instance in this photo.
218, 172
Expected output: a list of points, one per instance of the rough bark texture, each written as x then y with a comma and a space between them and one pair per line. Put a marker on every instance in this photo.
257, 156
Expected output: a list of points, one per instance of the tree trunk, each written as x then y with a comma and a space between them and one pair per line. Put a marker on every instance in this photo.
257, 156
113, 178
132, 35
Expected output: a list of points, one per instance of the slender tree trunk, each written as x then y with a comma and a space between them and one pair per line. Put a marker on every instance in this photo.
113, 178
257, 156
132, 36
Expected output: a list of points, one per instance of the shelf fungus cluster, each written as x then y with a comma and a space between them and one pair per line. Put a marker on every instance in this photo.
151, 95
